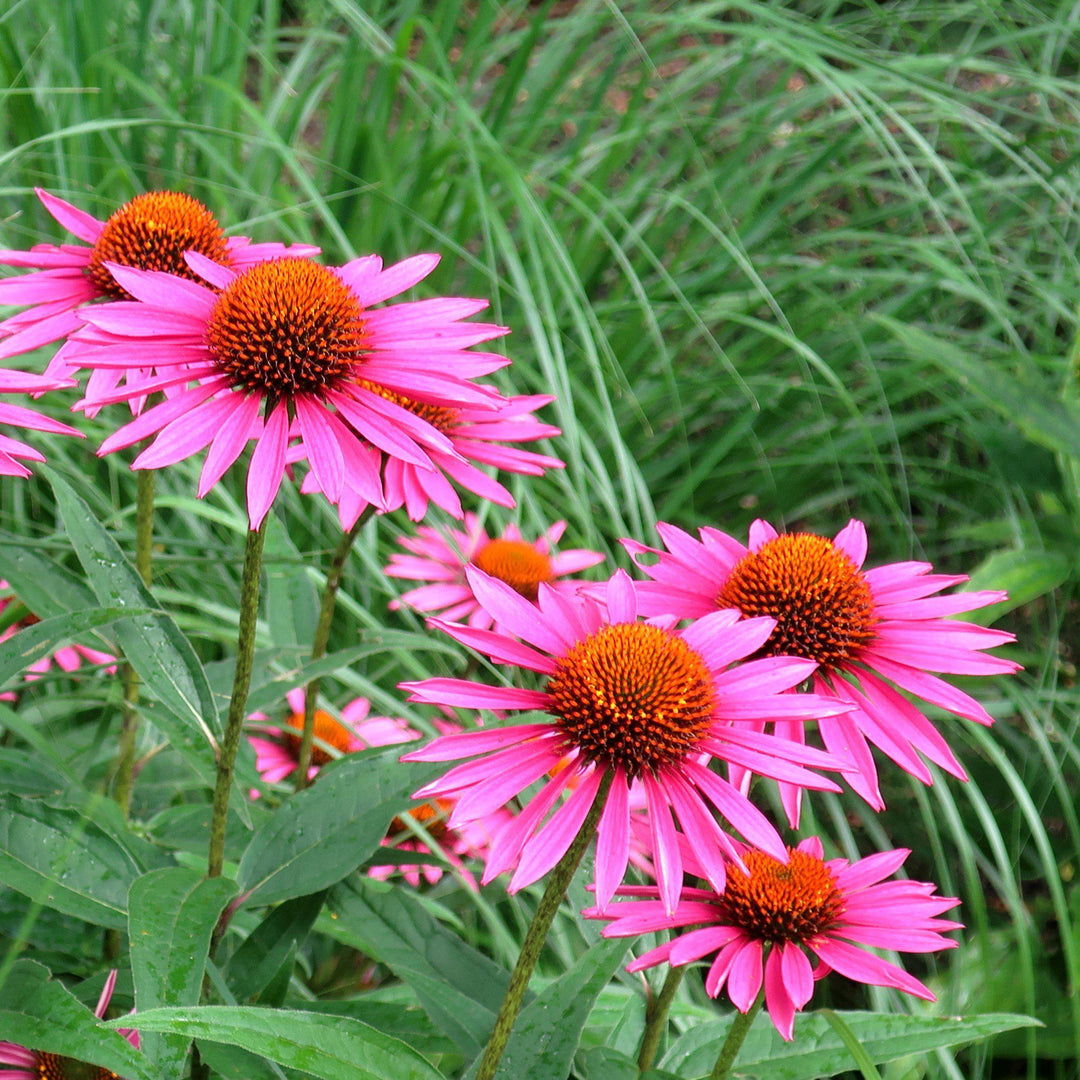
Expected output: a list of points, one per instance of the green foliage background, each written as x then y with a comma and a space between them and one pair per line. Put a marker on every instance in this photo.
803, 261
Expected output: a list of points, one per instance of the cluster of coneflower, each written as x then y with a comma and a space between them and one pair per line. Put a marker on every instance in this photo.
656, 702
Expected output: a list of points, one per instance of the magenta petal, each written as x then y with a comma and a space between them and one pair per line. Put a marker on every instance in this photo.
737, 809
851, 540
744, 979
621, 601
665, 843
323, 450
78, 222
464, 744
798, 974
474, 695
721, 966
229, 442
777, 999
613, 840
863, 967
267, 466
499, 647
512, 837
511, 610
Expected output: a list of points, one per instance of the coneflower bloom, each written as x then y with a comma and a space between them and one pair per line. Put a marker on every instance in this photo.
12, 451
476, 435
283, 348
441, 560
870, 631
151, 232
636, 702
761, 925
277, 755
24, 1064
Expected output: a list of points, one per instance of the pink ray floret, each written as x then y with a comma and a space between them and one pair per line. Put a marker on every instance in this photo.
12, 451
440, 559
639, 706
329, 379
877, 635
760, 927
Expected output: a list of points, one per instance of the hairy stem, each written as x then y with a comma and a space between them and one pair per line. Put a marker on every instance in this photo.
322, 636
245, 650
740, 1026
656, 1014
536, 935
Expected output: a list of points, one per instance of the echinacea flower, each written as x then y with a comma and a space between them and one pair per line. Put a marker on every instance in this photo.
24, 1064
770, 914
151, 232
12, 451
68, 657
441, 560
475, 435
870, 631
284, 348
635, 702
277, 755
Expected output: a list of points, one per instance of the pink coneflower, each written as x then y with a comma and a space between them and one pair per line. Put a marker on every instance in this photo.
277, 751
12, 451
285, 348
524, 565
24, 1064
637, 702
68, 657
869, 631
786, 908
475, 435
151, 232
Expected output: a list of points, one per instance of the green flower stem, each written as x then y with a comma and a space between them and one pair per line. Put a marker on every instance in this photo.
245, 651
537, 933
322, 636
129, 724
656, 1014
737, 1033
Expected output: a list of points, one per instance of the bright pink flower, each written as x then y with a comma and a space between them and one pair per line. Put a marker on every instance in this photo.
870, 632
277, 756
522, 564
37, 1065
12, 450
474, 434
635, 701
306, 342
151, 232
808, 904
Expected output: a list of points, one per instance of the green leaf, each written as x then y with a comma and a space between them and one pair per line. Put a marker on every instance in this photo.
323, 833
153, 644
1025, 575
328, 1047
604, 1063
232, 1063
40, 582
818, 1051
43, 1015
171, 915
58, 858
547, 1031
259, 958
458, 987
1021, 397
24, 773
31, 643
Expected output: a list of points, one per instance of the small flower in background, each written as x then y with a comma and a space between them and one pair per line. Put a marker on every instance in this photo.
286, 349
27, 1064
870, 632
151, 232
68, 657
523, 565
277, 752
826, 908
637, 702
12, 451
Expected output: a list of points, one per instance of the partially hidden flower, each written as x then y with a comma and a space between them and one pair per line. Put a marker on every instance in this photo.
626, 700
68, 657
760, 927
13, 452
25, 1064
873, 633
150, 232
441, 560
277, 756
477, 437
283, 349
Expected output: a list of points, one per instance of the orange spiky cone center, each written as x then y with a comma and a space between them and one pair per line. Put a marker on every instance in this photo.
517, 563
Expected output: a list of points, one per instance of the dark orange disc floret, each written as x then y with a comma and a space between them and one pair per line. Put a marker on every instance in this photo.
328, 730
632, 695
822, 604
55, 1067
285, 328
777, 902
441, 417
152, 232
432, 815
520, 565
